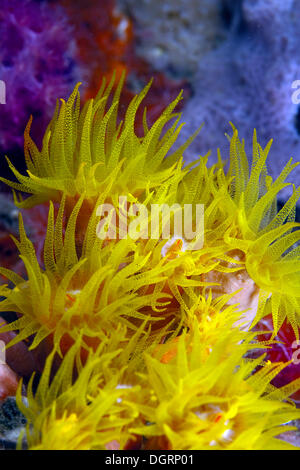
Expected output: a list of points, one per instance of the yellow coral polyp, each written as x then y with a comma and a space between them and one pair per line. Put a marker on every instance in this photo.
90, 152
212, 401
67, 429
91, 413
272, 262
88, 293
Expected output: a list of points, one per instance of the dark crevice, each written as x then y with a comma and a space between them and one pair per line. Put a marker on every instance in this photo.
297, 120
231, 16
227, 14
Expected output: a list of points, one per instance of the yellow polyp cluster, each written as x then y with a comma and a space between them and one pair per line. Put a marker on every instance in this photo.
199, 401
90, 414
88, 294
90, 152
267, 240
193, 401
146, 340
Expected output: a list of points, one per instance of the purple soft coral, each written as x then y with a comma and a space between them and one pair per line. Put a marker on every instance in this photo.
36, 66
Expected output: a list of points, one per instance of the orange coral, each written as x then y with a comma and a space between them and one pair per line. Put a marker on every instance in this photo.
105, 39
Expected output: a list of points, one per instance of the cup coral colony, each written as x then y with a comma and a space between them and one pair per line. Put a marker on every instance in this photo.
141, 342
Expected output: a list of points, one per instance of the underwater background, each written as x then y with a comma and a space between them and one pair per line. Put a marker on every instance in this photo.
237, 61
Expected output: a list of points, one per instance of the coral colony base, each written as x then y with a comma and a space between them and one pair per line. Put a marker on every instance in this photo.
141, 343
